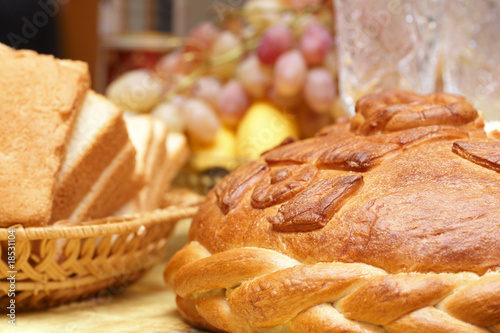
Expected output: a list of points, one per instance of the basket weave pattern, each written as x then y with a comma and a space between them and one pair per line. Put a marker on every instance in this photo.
63, 263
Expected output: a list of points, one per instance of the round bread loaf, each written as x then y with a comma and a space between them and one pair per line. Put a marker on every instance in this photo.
387, 223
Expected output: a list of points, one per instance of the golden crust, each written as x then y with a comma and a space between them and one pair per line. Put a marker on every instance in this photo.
389, 223
418, 200
40, 98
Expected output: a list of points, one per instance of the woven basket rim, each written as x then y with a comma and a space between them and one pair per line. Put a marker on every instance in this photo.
101, 227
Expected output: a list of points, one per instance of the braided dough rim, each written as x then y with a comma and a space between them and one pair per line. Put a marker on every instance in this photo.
258, 290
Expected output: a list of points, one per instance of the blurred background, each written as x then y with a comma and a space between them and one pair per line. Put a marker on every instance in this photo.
70, 28
238, 77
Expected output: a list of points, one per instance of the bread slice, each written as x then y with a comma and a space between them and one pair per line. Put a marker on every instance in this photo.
155, 162
99, 134
117, 184
140, 130
153, 158
178, 154
40, 99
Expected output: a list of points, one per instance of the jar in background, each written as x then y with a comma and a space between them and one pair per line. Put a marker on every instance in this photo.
471, 54
133, 34
386, 45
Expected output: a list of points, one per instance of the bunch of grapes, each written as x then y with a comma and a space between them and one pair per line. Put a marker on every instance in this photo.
285, 57
272, 64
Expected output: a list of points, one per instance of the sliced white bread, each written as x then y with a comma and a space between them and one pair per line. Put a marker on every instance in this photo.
178, 154
155, 165
39, 100
99, 134
140, 129
106, 195
155, 162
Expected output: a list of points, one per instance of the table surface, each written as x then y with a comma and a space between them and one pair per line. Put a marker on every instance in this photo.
146, 306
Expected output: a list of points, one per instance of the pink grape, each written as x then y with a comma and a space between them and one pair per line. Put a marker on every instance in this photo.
254, 76
319, 90
169, 63
208, 89
198, 45
171, 114
315, 43
276, 40
233, 102
201, 120
226, 43
289, 73
201, 37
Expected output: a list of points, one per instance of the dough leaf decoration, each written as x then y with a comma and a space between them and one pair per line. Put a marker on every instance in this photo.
314, 207
391, 111
281, 184
355, 155
231, 189
486, 154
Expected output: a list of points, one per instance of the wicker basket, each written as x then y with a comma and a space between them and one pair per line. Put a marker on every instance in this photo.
62, 263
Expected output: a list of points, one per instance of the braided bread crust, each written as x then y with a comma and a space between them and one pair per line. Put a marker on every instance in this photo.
258, 290
388, 223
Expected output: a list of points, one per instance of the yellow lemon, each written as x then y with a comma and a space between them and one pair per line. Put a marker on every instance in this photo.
262, 128
220, 153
